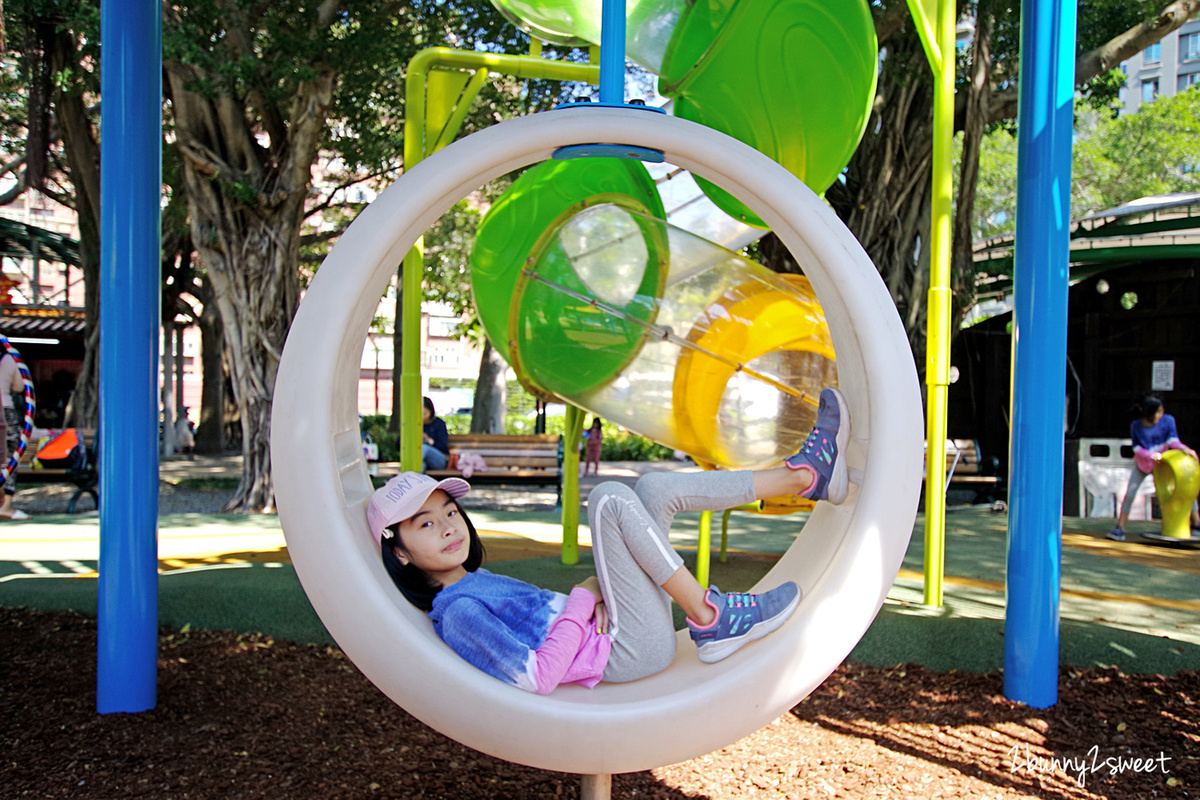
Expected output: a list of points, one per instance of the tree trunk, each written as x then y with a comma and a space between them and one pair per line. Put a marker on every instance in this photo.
257, 295
885, 199
491, 393
210, 433
181, 408
83, 160
246, 205
962, 261
774, 256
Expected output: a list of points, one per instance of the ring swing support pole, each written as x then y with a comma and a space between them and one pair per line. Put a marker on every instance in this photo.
612, 92
612, 52
1040, 282
131, 122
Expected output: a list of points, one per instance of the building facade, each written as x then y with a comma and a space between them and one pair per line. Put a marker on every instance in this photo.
1163, 69
445, 354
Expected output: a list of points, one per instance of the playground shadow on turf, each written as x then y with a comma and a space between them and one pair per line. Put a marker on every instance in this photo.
976, 548
267, 597
943, 642
246, 597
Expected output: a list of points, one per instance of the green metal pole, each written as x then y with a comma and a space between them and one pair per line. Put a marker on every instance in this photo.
454, 124
410, 358
570, 509
415, 149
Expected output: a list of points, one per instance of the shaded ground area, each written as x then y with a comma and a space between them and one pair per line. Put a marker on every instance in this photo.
248, 716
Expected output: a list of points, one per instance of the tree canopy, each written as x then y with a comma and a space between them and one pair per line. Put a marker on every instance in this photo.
259, 92
885, 195
1153, 151
1114, 160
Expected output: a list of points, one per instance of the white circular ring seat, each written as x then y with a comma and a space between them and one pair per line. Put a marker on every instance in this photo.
844, 559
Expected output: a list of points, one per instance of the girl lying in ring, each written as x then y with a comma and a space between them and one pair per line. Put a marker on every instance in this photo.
616, 626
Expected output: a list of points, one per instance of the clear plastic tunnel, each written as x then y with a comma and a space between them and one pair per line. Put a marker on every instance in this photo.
669, 335
649, 26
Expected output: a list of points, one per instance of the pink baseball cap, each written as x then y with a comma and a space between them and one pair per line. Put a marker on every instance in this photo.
402, 496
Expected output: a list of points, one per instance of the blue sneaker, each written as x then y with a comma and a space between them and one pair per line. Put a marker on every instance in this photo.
741, 619
1117, 534
821, 452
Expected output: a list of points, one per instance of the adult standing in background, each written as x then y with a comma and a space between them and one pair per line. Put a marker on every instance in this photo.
11, 383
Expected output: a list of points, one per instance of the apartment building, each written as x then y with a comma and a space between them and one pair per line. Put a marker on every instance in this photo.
1163, 69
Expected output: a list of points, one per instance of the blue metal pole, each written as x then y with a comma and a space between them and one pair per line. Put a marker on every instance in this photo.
1044, 127
612, 52
130, 182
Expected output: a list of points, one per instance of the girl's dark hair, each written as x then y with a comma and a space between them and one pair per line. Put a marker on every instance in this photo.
429, 404
417, 587
1147, 405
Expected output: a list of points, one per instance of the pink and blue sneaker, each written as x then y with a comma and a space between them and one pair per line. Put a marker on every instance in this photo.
741, 619
821, 452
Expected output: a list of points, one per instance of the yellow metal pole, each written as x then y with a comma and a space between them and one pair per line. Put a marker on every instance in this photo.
937, 338
415, 149
704, 547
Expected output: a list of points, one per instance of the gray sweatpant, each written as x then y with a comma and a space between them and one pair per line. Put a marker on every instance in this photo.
634, 558
1136, 476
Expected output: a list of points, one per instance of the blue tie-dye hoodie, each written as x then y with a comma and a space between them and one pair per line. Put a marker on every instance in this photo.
499, 623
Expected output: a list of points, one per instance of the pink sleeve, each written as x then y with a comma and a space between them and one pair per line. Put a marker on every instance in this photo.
557, 653
1145, 458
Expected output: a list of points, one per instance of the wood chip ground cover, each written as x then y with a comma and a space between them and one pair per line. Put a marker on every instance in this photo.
246, 716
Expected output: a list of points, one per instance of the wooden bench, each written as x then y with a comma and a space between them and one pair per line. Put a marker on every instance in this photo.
967, 468
86, 479
512, 459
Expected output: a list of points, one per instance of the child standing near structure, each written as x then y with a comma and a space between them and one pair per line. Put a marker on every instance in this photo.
595, 439
1153, 432
616, 626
